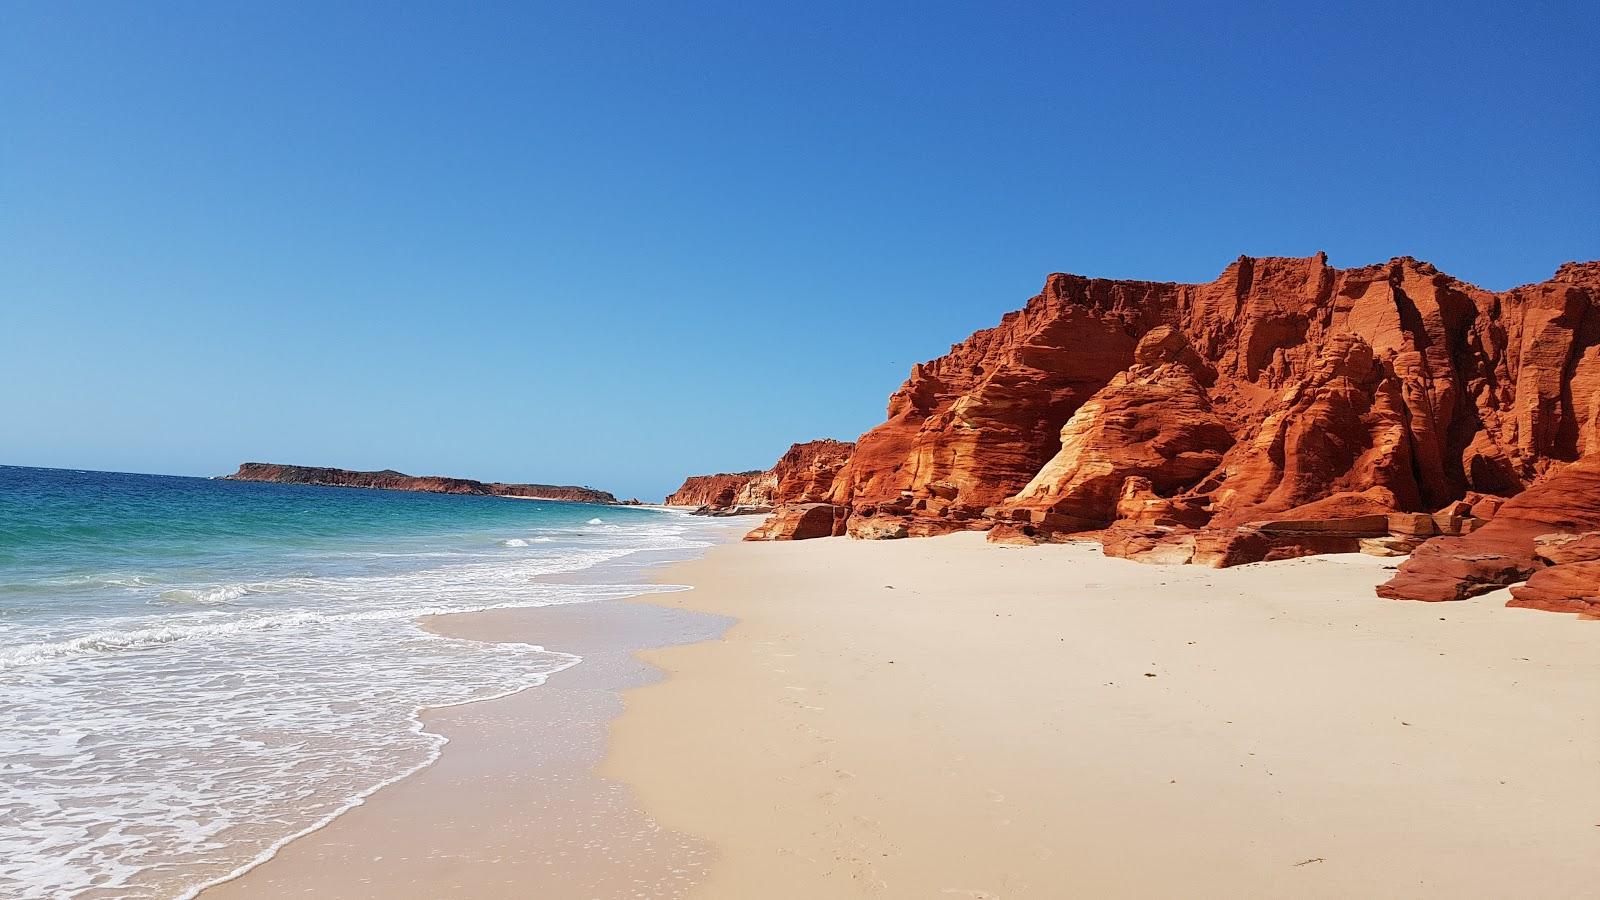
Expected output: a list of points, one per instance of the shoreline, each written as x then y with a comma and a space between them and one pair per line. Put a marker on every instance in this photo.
510, 803
606, 630
419, 722
947, 716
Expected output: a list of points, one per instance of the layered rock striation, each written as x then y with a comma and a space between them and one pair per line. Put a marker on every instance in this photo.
1152, 422
806, 472
1287, 407
717, 492
802, 477
390, 480
1534, 536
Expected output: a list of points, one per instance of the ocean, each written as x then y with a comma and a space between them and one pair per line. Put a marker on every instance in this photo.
194, 671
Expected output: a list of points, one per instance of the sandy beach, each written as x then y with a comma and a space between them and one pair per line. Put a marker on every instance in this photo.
946, 717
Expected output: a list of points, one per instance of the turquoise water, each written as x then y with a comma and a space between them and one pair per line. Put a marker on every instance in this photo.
194, 671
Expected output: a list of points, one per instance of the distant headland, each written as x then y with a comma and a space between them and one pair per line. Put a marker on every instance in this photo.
390, 480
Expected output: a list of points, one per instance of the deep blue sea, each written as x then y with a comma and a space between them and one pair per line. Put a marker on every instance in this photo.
194, 671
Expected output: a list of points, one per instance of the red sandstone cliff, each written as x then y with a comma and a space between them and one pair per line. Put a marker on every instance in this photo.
719, 491
1512, 545
805, 473
390, 480
803, 476
1393, 376
802, 481
1287, 407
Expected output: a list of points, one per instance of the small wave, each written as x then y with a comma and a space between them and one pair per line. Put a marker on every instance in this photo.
110, 579
514, 542
597, 521
212, 596
25, 655
542, 540
122, 580
142, 638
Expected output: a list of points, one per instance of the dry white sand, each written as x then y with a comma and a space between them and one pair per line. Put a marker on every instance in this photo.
945, 717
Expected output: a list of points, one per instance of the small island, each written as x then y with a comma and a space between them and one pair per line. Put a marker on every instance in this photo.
390, 480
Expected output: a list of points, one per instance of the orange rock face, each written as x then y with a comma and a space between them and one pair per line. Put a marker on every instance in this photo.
970, 429
716, 491
1186, 417
805, 474
802, 476
1571, 588
1392, 380
801, 521
1507, 548
1562, 548
1153, 422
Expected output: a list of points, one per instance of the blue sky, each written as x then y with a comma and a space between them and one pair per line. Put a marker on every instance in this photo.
615, 244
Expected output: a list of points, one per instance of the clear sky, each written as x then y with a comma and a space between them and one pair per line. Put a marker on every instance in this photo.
614, 244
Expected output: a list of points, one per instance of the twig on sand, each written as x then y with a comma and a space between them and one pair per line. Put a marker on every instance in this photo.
1307, 862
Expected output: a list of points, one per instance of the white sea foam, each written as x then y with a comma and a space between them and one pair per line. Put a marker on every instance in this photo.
119, 580
150, 755
206, 596
597, 521
514, 542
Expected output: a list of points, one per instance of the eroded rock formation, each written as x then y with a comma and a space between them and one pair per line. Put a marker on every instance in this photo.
802, 477
970, 429
801, 521
719, 491
390, 480
805, 473
1286, 408
1513, 545
1571, 588
1153, 422
1392, 381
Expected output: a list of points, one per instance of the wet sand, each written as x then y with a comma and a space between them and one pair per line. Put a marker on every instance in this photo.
513, 807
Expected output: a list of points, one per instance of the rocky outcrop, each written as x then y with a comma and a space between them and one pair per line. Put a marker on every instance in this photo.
970, 429
1153, 423
1571, 588
806, 472
1338, 431
1269, 413
801, 480
732, 511
802, 477
716, 491
1505, 549
390, 480
758, 493
801, 521
1391, 382
1572, 583
1562, 548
